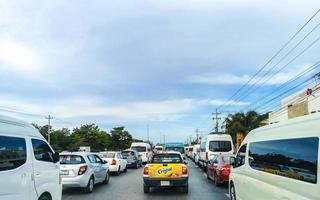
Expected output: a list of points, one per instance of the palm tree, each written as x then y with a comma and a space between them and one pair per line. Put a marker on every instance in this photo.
243, 123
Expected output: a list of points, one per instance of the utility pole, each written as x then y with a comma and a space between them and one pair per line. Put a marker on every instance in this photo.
49, 118
216, 118
148, 132
197, 134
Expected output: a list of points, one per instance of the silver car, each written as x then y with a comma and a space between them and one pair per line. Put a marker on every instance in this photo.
83, 169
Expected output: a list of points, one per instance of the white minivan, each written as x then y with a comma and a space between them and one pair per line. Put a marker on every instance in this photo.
29, 168
279, 161
144, 150
214, 144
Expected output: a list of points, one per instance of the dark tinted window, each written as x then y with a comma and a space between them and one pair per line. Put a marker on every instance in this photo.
92, 158
178, 149
42, 151
71, 159
139, 148
12, 152
241, 156
167, 158
220, 146
293, 158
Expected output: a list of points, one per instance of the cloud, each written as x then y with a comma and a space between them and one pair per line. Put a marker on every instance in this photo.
18, 56
232, 79
167, 110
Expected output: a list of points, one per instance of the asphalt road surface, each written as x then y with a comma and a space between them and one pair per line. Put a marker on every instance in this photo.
130, 186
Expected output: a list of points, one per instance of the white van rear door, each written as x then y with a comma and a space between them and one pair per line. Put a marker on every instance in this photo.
46, 172
15, 168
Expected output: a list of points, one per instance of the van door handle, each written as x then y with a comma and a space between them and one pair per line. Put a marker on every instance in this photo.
37, 174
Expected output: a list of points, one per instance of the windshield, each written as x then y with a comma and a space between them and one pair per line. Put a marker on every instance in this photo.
71, 159
107, 155
158, 148
220, 146
167, 158
139, 148
178, 149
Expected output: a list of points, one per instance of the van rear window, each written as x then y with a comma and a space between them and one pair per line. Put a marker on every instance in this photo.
292, 158
139, 148
12, 152
220, 146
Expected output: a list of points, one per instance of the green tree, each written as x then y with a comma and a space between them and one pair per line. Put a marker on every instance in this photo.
243, 123
121, 138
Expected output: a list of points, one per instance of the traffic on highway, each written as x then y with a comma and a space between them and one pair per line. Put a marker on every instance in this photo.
160, 100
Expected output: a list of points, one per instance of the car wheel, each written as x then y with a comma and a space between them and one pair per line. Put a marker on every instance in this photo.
118, 172
185, 189
232, 192
208, 177
125, 169
215, 180
90, 185
137, 165
45, 197
106, 180
146, 189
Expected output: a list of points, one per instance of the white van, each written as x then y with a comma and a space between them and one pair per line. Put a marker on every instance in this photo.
29, 168
144, 150
214, 144
279, 161
196, 153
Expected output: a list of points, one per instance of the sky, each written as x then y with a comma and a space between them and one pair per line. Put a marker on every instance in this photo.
162, 64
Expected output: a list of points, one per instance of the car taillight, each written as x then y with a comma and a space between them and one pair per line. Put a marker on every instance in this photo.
184, 170
82, 170
207, 155
114, 162
146, 170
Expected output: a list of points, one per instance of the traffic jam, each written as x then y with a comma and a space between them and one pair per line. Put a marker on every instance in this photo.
267, 165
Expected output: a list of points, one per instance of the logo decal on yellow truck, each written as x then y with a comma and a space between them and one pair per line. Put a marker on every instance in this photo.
170, 171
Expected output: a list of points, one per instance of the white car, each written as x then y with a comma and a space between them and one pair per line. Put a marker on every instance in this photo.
29, 168
144, 150
83, 170
117, 163
279, 161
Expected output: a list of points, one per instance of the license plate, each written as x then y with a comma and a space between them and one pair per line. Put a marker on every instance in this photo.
64, 172
165, 183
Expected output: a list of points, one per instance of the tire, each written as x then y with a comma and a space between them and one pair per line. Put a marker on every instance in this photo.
137, 165
90, 185
216, 182
232, 192
118, 172
146, 189
45, 197
107, 178
185, 189
125, 169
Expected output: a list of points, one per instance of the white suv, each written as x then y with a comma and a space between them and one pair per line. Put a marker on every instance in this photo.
84, 170
29, 168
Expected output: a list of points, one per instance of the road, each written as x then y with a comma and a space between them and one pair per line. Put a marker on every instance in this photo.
129, 186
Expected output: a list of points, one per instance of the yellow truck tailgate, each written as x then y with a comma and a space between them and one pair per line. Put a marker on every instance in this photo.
165, 170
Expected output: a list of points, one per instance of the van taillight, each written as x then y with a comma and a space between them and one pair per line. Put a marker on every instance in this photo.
146, 170
207, 155
82, 170
184, 170
114, 162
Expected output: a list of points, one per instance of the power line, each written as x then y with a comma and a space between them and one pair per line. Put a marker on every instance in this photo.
278, 88
269, 61
252, 87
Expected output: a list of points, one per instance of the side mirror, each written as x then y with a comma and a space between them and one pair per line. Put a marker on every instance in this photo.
233, 161
185, 162
104, 162
56, 157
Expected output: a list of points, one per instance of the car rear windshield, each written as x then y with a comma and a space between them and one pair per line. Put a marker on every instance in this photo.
107, 155
220, 146
139, 148
226, 159
167, 158
71, 159
127, 153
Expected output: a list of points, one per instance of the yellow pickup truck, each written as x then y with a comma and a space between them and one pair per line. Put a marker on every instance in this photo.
166, 169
